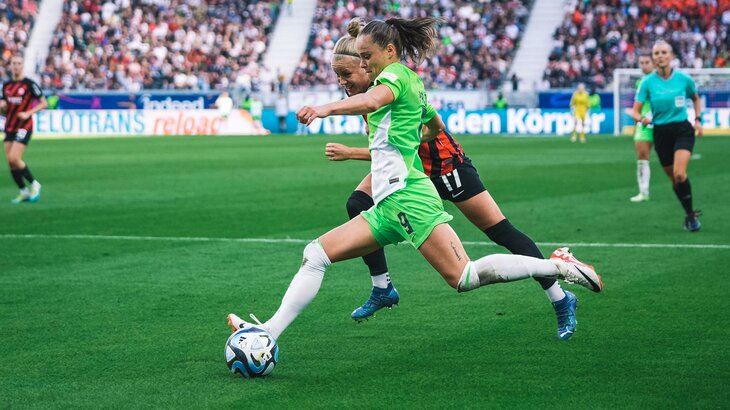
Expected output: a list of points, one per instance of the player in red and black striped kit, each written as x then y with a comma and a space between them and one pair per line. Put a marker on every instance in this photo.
20, 99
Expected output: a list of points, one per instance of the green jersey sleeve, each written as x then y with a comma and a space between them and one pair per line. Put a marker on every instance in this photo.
393, 77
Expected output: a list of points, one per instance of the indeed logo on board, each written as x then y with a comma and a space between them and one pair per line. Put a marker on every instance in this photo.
170, 104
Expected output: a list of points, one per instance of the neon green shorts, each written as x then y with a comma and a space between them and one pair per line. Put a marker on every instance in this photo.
644, 134
407, 215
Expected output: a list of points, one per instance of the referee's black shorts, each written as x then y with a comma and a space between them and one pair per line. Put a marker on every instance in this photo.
668, 138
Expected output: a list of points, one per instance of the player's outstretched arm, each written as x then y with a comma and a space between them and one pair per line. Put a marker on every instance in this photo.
359, 104
341, 152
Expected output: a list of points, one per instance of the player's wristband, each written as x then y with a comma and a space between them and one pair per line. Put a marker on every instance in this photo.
699, 118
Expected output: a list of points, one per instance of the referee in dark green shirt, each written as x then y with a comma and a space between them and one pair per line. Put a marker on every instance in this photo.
674, 136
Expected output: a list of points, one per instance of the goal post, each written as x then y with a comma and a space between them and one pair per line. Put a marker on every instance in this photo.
713, 86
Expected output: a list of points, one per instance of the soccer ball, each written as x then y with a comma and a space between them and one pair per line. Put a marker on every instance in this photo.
251, 352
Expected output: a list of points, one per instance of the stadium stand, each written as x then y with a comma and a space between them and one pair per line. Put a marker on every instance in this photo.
176, 44
478, 39
16, 21
597, 37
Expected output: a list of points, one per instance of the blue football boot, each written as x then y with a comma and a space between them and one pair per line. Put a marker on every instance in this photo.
565, 311
692, 222
379, 298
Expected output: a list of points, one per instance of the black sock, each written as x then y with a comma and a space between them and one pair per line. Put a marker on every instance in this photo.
27, 175
504, 234
684, 194
18, 177
360, 201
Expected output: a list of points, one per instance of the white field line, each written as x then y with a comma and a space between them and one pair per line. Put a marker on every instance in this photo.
303, 241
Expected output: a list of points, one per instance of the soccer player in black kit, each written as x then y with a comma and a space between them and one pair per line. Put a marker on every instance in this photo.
17, 100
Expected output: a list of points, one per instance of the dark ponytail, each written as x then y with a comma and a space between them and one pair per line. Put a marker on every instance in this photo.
415, 39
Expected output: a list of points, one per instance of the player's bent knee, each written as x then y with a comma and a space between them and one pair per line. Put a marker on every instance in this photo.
315, 257
359, 201
680, 177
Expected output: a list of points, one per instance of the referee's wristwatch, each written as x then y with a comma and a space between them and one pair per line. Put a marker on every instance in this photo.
698, 118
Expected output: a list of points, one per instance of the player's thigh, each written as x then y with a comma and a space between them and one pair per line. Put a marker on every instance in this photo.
444, 251
15, 151
7, 145
481, 210
349, 240
366, 185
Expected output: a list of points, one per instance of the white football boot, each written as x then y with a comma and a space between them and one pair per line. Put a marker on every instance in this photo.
574, 271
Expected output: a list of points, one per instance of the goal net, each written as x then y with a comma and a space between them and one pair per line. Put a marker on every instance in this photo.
713, 86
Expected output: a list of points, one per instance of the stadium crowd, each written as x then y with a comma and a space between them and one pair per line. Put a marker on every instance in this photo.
478, 39
599, 36
16, 21
160, 44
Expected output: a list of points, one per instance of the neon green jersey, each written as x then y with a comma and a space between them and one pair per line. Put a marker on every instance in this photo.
395, 131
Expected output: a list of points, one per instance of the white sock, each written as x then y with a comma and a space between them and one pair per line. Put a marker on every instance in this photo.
302, 290
504, 268
643, 175
381, 281
555, 293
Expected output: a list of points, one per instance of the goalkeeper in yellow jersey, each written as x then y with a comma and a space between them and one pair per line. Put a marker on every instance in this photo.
579, 106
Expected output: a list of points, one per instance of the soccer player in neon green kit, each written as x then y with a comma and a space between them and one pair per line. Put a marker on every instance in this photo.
455, 179
407, 205
643, 137
674, 136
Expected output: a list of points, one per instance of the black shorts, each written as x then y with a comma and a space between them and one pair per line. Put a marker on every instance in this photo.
22, 136
668, 138
460, 184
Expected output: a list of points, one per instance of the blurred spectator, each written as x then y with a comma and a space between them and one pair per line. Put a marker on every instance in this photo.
224, 104
478, 39
16, 21
599, 36
161, 44
282, 112
500, 103
594, 100
515, 82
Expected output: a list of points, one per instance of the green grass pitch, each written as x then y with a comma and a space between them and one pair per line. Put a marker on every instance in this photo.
136, 318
